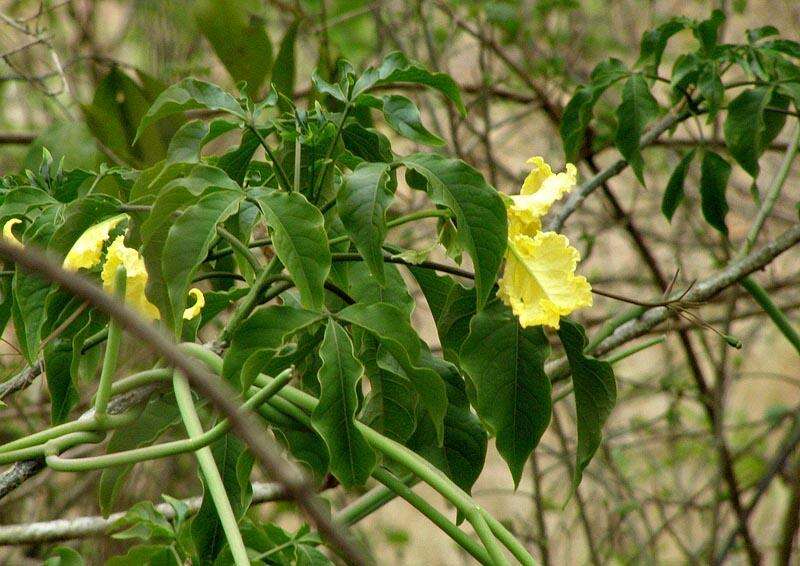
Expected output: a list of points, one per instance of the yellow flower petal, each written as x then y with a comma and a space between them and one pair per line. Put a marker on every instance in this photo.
539, 191
8, 234
199, 303
539, 282
85, 252
120, 255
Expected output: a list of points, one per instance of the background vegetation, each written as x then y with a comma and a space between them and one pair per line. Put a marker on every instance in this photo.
700, 460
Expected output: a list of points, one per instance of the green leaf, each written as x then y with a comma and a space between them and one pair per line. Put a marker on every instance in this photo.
362, 202
351, 457
64, 556
239, 38
673, 195
638, 108
159, 415
578, 112
266, 329
744, 127
207, 532
118, 105
236, 161
512, 392
298, 236
595, 393
397, 68
188, 241
394, 331
463, 453
190, 139
452, 307
58, 355
714, 175
364, 288
190, 94
285, 67
707, 31
390, 407
367, 143
576, 118
479, 211
304, 444
402, 115
30, 292
654, 41
146, 555
711, 88
145, 522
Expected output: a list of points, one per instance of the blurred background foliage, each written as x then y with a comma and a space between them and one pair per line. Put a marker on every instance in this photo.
77, 76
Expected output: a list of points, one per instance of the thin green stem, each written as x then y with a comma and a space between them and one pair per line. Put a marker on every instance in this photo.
402, 455
319, 180
772, 194
39, 439
112, 353
436, 266
618, 356
140, 379
399, 221
370, 502
167, 449
420, 504
213, 480
777, 316
284, 180
265, 277
237, 245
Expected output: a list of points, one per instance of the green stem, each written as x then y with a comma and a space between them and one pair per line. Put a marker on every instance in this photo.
112, 353
402, 455
52, 446
97, 338
237, 245
420, 504
773, 311
436, 266
213, 480
169, 448
370, 502
284, 180
772, 194
140, 379
438, 481
265, 277
10, 451
610, 326
616, 357
399, 221
318, 181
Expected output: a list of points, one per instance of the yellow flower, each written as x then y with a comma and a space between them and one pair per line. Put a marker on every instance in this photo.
539, 282
539, 191
8, 234
86, 251
199, 303
120, 255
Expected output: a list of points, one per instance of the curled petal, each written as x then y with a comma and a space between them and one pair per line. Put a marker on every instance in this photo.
8, 234
118, 255
539, 282
199, 303
85, 252
539, 191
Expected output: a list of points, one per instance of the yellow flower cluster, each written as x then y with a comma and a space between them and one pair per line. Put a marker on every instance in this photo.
87, 251
539, 281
